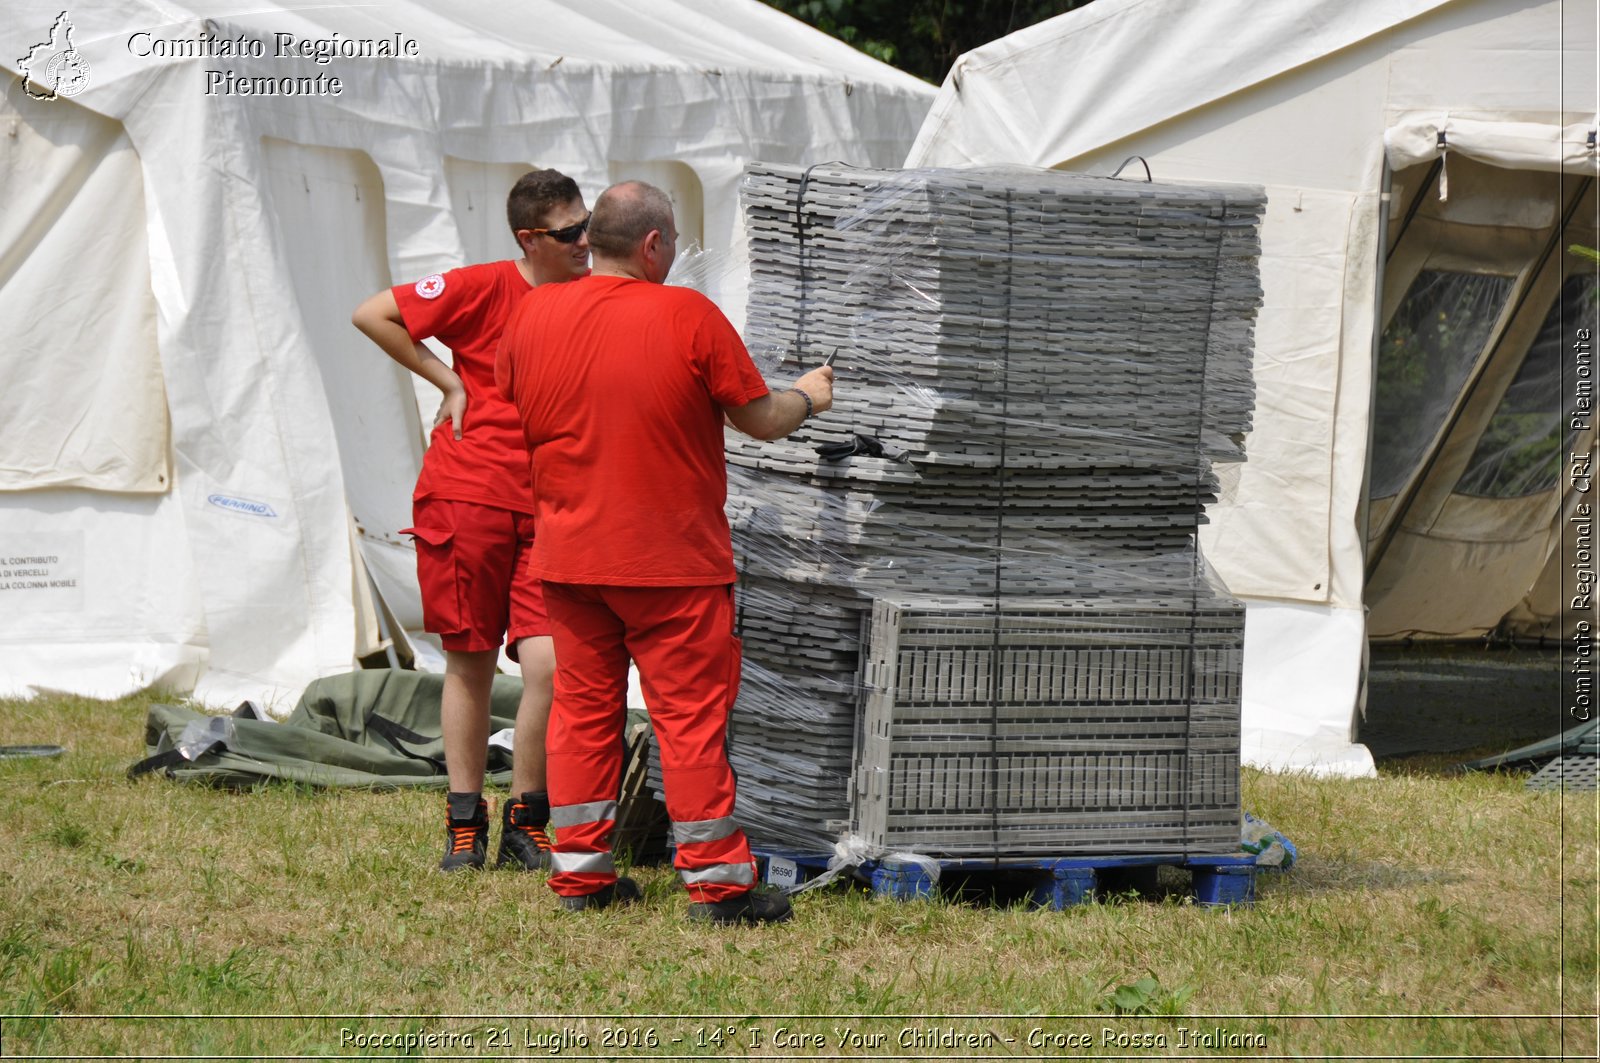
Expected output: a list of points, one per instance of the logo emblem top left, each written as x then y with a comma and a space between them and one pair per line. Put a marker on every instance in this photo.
54, 68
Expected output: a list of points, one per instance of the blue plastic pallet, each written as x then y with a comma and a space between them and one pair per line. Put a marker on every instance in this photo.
1051, 882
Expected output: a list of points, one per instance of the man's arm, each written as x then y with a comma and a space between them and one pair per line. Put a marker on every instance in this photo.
776, 414
380, 320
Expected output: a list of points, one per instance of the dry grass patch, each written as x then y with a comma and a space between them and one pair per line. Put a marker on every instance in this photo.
1417, 893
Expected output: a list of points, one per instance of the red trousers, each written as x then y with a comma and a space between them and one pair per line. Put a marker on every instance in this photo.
681, 639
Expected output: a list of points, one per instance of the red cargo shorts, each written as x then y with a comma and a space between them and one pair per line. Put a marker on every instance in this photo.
472, 565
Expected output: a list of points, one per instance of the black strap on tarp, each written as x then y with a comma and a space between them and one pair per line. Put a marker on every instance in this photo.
397, 735
160, 762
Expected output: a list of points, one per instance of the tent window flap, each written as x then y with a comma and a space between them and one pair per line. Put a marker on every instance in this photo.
1520, 453
1424, 357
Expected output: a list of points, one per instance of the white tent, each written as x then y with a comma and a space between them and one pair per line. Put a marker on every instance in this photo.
1420, 367
203, 466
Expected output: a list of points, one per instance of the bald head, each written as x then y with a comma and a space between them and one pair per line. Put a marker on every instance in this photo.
624, 215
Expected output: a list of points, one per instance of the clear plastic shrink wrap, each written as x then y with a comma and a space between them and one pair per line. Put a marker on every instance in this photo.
1004, 643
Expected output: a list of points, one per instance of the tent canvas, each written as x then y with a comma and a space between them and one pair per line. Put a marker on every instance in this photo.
1451, 517
205, 466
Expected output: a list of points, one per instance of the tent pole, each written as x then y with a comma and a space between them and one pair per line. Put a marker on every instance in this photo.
1385, 196
1385, 252
1397, 514
1364, 517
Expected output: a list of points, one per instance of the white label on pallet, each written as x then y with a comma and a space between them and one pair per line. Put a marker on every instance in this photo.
781, 872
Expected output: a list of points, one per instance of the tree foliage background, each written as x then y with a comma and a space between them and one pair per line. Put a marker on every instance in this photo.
922, 37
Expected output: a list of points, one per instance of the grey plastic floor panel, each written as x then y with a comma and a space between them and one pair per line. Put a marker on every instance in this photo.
1576, 772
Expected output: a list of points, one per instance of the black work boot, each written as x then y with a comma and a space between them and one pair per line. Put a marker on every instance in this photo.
523, 841
622, 891
753, 906
466, 841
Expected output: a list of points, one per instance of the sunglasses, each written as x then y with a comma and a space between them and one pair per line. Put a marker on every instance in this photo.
569, 235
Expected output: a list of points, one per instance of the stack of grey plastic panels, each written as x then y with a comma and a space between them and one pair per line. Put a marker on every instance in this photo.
1004, 644
978, 294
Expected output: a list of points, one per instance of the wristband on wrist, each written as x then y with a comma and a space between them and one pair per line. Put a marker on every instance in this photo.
810, 408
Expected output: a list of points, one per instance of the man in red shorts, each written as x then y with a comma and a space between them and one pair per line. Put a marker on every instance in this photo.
622, 384
473, 509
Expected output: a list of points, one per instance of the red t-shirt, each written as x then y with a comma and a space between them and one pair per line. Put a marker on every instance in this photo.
466, 310
620, 385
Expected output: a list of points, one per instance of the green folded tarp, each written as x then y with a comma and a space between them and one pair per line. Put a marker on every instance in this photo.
377, 728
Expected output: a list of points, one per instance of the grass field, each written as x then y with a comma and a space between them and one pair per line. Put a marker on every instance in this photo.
1431, 916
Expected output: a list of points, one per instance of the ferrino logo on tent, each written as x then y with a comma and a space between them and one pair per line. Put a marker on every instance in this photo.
242, 505
54, 67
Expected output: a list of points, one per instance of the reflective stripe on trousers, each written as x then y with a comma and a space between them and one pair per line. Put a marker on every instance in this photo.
577, 815
583, 863
731, 874
705, 830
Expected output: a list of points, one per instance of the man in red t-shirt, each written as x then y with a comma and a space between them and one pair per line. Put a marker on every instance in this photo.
473, 509
622, 385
